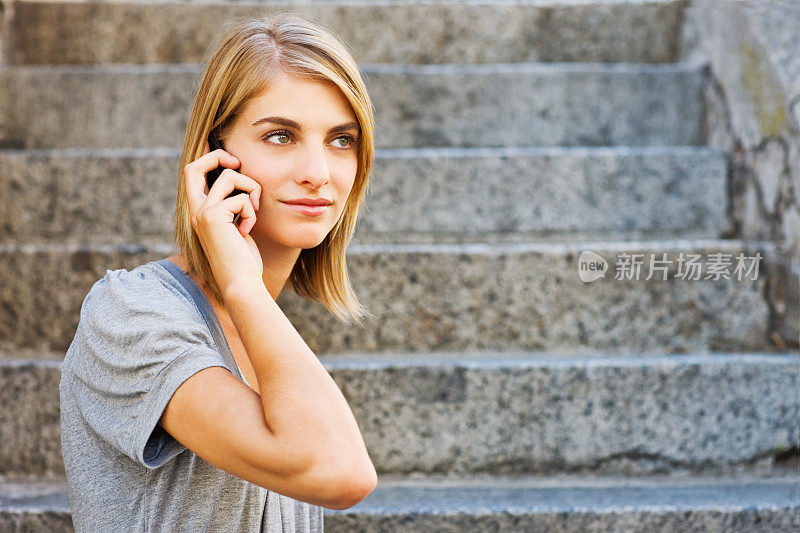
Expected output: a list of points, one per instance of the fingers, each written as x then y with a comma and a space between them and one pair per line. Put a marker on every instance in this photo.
211, 160
241, 203
230, 180
195, 175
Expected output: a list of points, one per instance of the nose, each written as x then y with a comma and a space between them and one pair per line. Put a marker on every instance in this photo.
313, 168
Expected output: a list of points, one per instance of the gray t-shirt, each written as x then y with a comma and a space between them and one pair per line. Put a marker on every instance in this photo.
139, 337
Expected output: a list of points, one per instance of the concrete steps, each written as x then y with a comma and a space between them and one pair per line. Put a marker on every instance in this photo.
417, 195
510, 413
452, 105
496, 391
35, 505
456, 297
517, 504
520, 506
378, 32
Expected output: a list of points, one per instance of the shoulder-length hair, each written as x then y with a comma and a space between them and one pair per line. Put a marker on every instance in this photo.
245, 56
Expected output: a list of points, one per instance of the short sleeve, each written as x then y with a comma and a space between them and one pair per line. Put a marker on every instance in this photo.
137, 341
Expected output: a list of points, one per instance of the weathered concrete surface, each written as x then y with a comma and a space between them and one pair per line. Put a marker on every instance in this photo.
751, 48
752, 101
30, 427
523, 505
456, 297
422, 195
526, 104
6, 15
505, 504
511, 413
385, 32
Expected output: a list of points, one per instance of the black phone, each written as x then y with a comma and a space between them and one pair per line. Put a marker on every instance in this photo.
215, 143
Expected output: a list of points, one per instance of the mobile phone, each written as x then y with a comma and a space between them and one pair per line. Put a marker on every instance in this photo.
211, 176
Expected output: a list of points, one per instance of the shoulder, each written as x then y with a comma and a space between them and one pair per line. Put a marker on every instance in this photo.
141, 306
146, 287
131, 316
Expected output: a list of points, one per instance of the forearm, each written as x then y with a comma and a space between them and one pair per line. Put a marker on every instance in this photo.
303, 406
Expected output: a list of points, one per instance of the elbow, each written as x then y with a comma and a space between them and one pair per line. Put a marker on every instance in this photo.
353, 486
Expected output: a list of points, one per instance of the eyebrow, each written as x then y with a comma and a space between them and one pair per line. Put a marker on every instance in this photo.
348, 126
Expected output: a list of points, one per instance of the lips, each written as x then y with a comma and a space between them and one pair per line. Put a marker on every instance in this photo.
309, 201
310, 210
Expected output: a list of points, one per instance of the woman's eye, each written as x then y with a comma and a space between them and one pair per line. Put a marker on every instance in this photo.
280, 135
343, 141
348, 141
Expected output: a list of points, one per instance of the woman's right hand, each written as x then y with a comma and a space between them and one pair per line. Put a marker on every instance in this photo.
231, 251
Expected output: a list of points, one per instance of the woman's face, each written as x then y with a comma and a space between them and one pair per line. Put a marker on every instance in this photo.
298, 140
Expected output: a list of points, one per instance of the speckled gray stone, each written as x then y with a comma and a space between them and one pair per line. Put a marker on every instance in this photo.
384, 32
49, 317
796, 112
529, 104
769, 163
740, 55
776, 23
715, 507
422, 195
511, 413
35, 521
29, 419
495, 297
5, 29
35, 505
503, 504
751, 48
448, 297
546, 192
493, 414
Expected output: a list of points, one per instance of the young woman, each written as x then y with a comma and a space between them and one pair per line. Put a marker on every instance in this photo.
188, 400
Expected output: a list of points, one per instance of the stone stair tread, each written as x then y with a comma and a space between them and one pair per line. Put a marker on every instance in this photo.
619, 67
33, 494
425, 32
676, 244
571, 246
432, 152
26, 353
522, 359
545, 495
595, 104
511, 494
109, 242
502, 413
21, 357
520, 237
532, 67
463, 286
416, 195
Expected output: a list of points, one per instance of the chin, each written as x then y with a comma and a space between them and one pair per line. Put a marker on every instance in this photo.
307, 241
310, 238
314, 244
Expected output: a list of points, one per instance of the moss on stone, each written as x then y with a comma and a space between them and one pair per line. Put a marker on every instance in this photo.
767, 100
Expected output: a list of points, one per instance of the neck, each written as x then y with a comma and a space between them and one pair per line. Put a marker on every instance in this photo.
278, 263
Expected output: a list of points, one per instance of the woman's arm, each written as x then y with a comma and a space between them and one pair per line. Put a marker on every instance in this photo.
297, 437
303, 407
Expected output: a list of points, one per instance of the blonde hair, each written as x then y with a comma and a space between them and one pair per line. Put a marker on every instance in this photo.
246, 54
